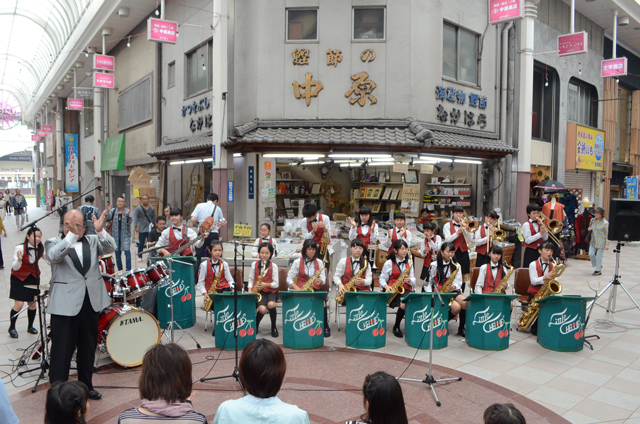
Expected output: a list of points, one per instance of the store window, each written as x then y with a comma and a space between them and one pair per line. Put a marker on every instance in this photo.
459, 54
134, 104
199, 72
545, 106
582, 105
368, 23
171, 74
88, 117
302, 24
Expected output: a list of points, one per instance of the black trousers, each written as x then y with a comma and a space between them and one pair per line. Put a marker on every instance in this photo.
67, 333
530, 255
200, 251
482, 259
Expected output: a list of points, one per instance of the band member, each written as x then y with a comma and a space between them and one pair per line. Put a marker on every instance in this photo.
315, 226
172, 237
428, 250
349, 266
209, 269
77, 296
391, 271
483, 236
456, 232
304, 268
540, 272
201, 212
441, 271
533, 235
25, 271
365, 229
269, 286
265, 231
491, 274
399, 232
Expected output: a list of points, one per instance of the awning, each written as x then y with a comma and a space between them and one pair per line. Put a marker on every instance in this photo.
386, 135
193, 146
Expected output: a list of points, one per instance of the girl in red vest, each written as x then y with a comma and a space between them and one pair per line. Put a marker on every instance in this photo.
399, 232
540, 271
533, 235
491, 274
365, 230
349, 266
265, 237
315, 226
25, 271
269, 287
482, 237
391, 271
210, 268
456, 232
428, 249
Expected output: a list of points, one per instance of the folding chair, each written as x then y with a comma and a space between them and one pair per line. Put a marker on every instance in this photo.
474, 278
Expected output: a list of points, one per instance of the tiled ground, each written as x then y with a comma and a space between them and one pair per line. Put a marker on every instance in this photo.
602, 385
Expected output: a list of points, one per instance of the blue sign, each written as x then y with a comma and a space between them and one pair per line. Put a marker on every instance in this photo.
599, 147
213, 155
632, 187
230, 192
252, 185
71, 166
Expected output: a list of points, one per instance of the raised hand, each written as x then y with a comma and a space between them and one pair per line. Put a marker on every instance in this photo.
352, 222
19, 256
99, 223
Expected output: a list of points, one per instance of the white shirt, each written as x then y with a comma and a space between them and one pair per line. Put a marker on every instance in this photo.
250, 409
449, 231
17, 263
202, 276
533, 272
457, 282
526, 232
388, 244
309, 270
483, 273
355, 267
259, 241
353, 233
433, 246
204, 211
275, 283
77, 245
177, 232
477, 236
387, 269
320, 217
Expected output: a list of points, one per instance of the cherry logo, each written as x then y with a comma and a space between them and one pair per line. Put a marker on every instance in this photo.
312, 332
242, 332
444, 331
439, 333
501, 334
382, 331
250, 331
318, 331
375, 332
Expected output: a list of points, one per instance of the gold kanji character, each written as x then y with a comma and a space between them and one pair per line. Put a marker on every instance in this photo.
363, 88
300, 57
311, 88
368, 55
334, 57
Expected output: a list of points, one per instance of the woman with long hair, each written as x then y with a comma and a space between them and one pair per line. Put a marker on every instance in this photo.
67, 403
383, 400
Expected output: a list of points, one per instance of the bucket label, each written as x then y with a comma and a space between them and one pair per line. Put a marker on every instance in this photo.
301, 319
225, 317
365, 320
567, 323
490, 321
423, 317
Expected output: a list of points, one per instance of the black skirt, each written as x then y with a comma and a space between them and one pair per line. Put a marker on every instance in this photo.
20, 292
396, 302
268, 297
463, 259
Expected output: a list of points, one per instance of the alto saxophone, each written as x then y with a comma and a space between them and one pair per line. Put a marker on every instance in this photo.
547, 289
505, 280
351, 285
213, 290
257, 283
447, 284
398, 287
308, 286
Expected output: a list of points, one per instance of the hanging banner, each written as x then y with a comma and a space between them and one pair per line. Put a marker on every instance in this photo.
505, 10
47, 128
614, 67
230, 191
410, 199
632, 187
575, 43
71, 163
113, 154
102, 80
162, 31
252, 182
75, 104
104, 63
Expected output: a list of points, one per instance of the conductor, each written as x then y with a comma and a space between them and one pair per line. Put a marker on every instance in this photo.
77, 295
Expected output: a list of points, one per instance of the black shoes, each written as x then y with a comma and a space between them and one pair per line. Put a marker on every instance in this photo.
13, 334
95, 395
327, 332
32, 330
274, 332
461, 332
397, 332
213, 333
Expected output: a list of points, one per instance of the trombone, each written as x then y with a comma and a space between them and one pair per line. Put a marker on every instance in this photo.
498, 234
472, 224
553, 227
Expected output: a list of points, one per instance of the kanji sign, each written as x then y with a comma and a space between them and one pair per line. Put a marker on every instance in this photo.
362, 88
47, 128
104, 63
614, 67
71, 162
505, 11
35, 138
75, 104
576, 43
162, 31
311, 88
102, 80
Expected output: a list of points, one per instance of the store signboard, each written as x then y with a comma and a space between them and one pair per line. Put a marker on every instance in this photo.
71, 163
47, 128
632, 187
576, 43
113, 154
230, 191
252, 182
400, 167
35, 138
42, 133
75, 104
589, 148
104, 63
505, 10
103, 80
162, 31
614, 67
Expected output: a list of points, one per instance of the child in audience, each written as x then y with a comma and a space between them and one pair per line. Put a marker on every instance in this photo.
67, 403
503, 414
383, 400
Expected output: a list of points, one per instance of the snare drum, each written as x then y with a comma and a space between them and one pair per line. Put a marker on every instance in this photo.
114, 288
157, 273
126, 333
136, 283
107, 265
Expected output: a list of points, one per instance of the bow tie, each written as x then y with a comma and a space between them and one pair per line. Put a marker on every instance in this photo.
310, 261
177, 229
403, 261
495, 266
32, 248
315, 220
364, 225
456, 225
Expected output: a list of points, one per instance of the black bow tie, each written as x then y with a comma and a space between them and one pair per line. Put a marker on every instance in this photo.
315, 220
32, 248
364, 225
495, 266
403, 261
310, 261
177, 229
456, 225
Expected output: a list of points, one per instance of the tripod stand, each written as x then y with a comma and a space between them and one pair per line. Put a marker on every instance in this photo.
168, 330
430, 379
44, 342
613, 285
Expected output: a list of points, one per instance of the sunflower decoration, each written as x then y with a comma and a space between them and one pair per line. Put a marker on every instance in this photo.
331, 191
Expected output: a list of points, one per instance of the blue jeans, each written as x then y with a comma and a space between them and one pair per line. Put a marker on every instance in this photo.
127, 256
142, 239
596, 257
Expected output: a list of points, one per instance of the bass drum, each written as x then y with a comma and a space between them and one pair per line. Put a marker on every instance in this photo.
125, 333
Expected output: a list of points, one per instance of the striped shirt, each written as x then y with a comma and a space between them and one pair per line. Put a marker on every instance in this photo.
134, 416
599, 233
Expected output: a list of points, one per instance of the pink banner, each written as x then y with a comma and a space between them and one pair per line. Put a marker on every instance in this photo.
505, 11
104, 63
614, 67
42, 133
102, 80
162, 31
75, 104
47, 128
576, 43
35, 138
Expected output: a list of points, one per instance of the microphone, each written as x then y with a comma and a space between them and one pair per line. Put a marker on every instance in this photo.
99, 188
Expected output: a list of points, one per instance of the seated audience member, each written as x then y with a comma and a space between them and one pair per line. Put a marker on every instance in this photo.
7, 416
67, 403
383, 400
165, 388
503, 414
262, 369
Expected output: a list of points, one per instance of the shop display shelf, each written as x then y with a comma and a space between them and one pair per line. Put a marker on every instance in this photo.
288, 181
446, 195
447, 184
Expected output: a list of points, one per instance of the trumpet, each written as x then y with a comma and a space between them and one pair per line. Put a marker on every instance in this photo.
553, 227
472, 224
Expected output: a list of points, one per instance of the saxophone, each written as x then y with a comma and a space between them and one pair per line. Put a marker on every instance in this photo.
308, 286
550, 287
257, 283
447, 284
398, 287
504, 281
213, 290
351, 285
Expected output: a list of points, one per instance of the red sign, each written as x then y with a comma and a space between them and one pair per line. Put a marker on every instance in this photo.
47, 128
35, 138
614, 67
75, 104
162, 31
42, 134
575, 43
505, 11
104, 63
102, 80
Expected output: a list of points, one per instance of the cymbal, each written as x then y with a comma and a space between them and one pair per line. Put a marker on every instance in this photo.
42, 287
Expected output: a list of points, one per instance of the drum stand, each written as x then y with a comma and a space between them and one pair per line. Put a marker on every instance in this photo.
430, 379
168, 330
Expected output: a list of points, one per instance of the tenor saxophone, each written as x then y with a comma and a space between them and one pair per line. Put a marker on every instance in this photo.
505, 280
213, 290
308, 286
398, 287
547, 289
257, 283
351, 285
449, 281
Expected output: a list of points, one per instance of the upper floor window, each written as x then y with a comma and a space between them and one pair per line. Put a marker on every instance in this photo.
135, 104
460, 54
199, 73
171, 74
302, 24
581, 107
368, 23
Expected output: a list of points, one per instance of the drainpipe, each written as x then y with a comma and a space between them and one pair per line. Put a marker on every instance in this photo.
505, 191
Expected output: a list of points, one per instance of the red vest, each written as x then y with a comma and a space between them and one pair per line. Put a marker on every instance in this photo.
348, 275
394, 237
223, 284
318, 235
174, 242
536, 243
26, 268
535, 289
365, 239
303, 277
395, 274
437, 279
459, 242
482, 249
268, 277
429, 254
490, 283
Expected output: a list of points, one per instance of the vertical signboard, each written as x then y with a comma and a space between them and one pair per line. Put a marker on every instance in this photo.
252, 182
632, 187
230, 191
71, 162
